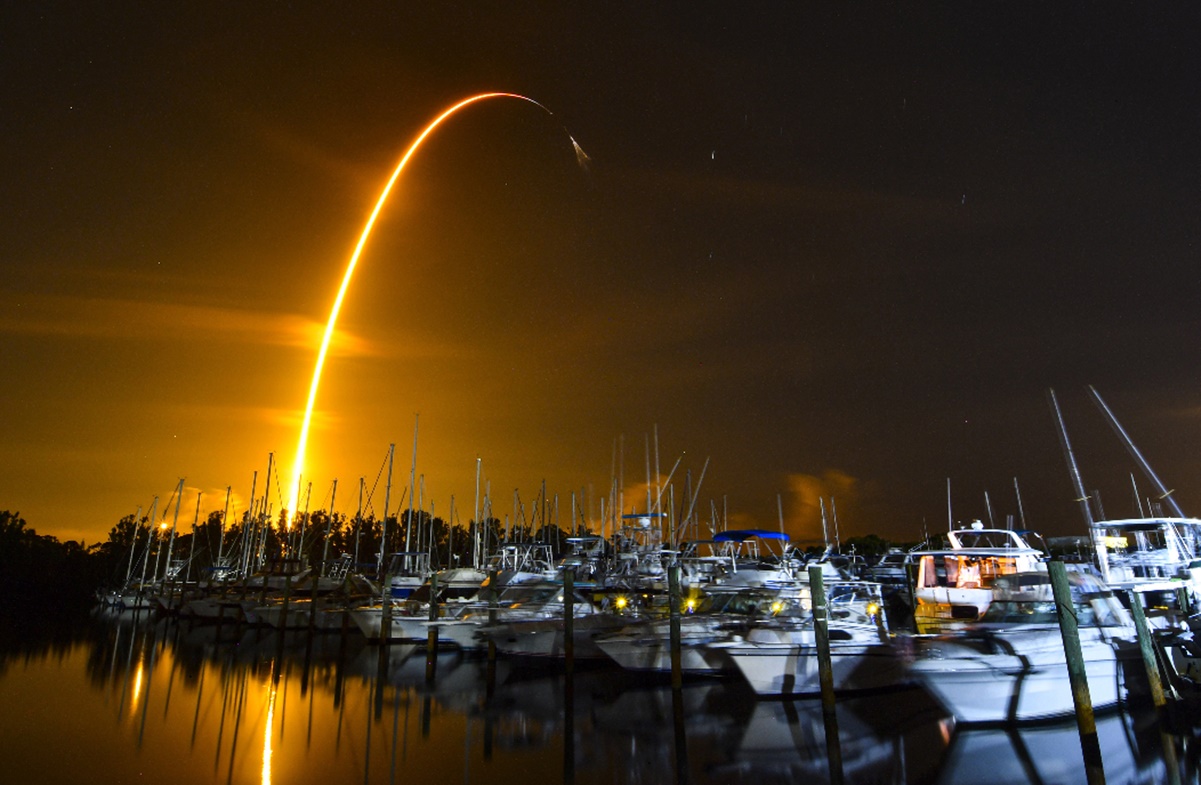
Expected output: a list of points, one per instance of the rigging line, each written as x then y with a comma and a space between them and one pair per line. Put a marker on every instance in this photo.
375, 484
275, 471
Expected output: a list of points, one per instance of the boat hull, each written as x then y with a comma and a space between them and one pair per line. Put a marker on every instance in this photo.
1019, 677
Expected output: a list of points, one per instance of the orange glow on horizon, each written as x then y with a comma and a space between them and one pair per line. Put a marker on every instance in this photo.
302, 444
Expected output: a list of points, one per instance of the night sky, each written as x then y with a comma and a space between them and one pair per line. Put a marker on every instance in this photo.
838, 251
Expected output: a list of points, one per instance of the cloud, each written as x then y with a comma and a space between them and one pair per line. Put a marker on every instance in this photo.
69, 316
835, 489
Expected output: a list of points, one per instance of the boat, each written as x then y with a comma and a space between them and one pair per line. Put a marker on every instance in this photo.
707, 616
1010, 666
778, 657
954, 585
1158, 557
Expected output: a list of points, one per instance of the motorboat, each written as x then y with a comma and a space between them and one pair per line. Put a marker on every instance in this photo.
779, 657
1010, 666
1156, 557
955, 584
706, 617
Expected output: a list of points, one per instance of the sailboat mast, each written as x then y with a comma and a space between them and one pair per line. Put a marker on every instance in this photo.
192, 548
358, 523
475, 521
133, 546
1164, 493
221, 527
1078, 487
383, 539
329, 522
174, 522
248, 537
412, 485
149, 539
266, 510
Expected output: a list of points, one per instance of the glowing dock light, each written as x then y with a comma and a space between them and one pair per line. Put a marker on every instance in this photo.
302, 445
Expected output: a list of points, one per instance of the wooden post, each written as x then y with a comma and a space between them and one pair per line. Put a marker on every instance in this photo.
1183, 601
313, 586
568, 676
385, 611
825, 671
493, 603
1146, 649
431, 642
569, 620
911, 587
673, 596
1086, 721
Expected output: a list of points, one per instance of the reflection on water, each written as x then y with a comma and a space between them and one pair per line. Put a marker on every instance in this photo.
125, 699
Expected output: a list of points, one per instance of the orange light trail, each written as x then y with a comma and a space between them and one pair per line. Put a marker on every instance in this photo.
302, 444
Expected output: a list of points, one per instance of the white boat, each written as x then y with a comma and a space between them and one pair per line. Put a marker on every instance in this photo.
530, 623
463, 603
407, 571
1152, 556
1011, 667
954, 585
779, 658
706, 618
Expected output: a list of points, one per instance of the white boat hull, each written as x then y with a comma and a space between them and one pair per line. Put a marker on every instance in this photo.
791, 669
1015, 677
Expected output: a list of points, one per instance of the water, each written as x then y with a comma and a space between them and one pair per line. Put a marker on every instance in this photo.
135, 700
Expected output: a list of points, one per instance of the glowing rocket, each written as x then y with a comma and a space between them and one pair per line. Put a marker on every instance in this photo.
302, 445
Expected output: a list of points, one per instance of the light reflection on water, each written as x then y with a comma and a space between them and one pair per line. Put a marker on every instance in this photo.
141, 700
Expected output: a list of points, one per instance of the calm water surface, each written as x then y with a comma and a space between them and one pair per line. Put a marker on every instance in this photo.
123, 700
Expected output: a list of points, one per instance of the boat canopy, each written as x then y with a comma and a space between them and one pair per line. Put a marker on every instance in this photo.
742, 535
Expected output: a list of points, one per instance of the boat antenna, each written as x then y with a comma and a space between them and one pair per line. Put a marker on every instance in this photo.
1138, 502
834, 516
950, 524
1021, 510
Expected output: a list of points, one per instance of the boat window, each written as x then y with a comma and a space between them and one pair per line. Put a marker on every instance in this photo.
1003, 611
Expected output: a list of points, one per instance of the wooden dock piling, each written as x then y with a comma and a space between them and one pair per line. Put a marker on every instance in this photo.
1086, 721
825, 671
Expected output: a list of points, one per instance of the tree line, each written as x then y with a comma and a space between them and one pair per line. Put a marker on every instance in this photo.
40, 571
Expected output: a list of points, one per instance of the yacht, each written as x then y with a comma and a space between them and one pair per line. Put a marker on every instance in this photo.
779, 657
1010, 666
954, 585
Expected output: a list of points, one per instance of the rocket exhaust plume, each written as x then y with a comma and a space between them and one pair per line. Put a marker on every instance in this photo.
302, 444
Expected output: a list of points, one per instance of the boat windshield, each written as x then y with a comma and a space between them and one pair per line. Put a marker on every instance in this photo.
1088, 614
1027, 598
988, 538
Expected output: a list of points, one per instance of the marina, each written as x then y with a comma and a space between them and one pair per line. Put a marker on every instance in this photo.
636, 675
239, 705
